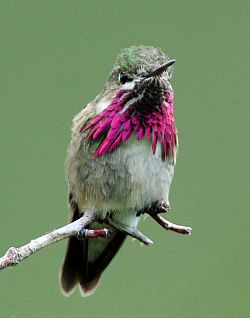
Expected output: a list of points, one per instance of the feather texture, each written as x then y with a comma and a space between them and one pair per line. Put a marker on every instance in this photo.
116, 124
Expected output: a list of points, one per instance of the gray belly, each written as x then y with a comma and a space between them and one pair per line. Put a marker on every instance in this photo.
123, 181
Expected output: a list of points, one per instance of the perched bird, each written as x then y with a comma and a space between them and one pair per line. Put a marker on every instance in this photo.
120, 160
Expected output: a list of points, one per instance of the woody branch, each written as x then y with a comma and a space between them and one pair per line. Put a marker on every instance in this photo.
15, 255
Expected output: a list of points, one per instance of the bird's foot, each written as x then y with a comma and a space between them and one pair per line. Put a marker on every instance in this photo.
155, 208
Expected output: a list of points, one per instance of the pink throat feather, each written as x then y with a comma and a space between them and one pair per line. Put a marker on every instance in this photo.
117, 123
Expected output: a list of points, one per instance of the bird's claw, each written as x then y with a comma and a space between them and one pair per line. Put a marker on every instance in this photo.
155, 208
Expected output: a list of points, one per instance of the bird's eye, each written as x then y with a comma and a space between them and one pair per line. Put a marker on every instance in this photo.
124, 78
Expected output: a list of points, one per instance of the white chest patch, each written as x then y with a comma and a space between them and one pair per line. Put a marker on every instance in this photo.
123, 181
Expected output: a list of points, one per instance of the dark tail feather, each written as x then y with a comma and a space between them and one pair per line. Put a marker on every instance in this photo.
77, 267
73, 258
88, 288
70, 269
89, 282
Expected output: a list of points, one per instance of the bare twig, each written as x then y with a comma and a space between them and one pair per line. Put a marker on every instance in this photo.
132, 231
14, 255
171, 226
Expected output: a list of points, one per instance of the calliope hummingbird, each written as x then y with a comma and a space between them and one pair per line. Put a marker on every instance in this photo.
120, 160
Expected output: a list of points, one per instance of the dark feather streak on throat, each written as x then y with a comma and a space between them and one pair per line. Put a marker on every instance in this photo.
117, 123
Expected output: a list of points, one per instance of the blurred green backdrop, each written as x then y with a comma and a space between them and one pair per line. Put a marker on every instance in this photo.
54, 58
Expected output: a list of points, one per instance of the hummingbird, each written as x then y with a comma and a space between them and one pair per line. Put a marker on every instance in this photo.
120, 161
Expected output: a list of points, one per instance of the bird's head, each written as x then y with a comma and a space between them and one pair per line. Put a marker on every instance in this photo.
140, 100
145, 72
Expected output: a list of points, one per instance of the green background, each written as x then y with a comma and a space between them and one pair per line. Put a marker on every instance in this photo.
54, 58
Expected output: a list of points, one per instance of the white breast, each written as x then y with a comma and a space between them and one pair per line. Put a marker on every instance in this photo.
123, 181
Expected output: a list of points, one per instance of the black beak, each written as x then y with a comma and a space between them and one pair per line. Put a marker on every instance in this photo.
161, 68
